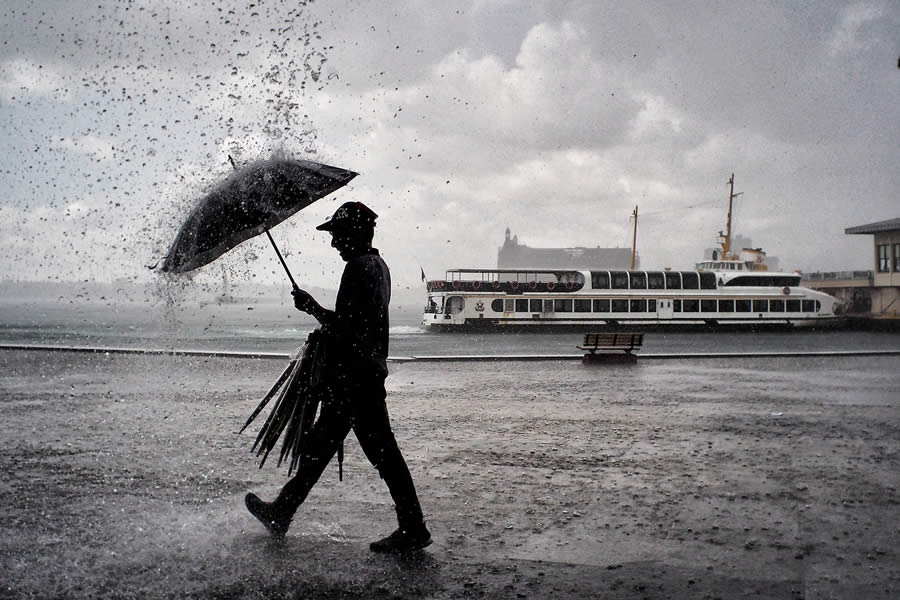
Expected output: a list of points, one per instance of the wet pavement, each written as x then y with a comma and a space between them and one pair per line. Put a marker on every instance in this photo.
759, 478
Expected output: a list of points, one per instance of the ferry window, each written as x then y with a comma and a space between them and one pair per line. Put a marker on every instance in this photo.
638, 280
562, 305
707, 306
776, 305
707, 281
455, 305
548, 306
792, 306
535, 305
656, 281
620, 305
601, 305
497, 305
676, 305
582, 305
651, 305
726, 306
896, 259
809, 306
884, 261
760, 306
638, 305
690, 305
619, 280
521, 305
673, 280
742, 306
509, 305
768, 281
818, 306
600, 280
690, 281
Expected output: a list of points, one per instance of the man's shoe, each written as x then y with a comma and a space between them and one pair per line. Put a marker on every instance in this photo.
275, 521
403, 541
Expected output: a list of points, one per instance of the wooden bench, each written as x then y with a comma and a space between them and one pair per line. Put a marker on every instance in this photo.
602, 347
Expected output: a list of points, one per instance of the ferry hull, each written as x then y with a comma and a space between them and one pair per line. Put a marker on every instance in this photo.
709, 325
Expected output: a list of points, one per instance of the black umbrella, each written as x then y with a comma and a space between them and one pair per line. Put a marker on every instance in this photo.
249, 202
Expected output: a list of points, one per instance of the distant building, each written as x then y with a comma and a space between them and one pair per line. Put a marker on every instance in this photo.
874, 293
738, 243
513, 255
886, 283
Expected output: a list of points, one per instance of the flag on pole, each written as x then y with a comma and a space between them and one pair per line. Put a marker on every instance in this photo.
423, 274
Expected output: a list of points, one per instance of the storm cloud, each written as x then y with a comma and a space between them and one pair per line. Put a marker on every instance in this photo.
552, 118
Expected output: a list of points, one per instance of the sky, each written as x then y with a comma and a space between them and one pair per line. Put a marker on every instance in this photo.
552, 118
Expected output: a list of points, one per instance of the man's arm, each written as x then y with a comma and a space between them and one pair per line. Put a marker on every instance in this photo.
303, 301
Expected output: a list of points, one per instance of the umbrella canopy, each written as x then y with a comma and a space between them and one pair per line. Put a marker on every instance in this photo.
249, 202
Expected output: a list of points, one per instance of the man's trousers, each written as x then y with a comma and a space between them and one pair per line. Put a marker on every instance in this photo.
358, 405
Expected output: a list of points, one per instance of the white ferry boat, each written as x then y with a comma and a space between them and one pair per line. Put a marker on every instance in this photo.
728, 291
471, 298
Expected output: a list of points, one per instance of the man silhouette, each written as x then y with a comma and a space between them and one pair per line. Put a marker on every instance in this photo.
356, 338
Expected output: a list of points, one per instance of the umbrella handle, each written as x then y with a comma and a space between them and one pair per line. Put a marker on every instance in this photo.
283, 264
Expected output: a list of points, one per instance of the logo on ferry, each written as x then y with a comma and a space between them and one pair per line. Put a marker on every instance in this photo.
479, 306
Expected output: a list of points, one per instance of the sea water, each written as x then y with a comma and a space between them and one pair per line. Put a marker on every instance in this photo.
276, 327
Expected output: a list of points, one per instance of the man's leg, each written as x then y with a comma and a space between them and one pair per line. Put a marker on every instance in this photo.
319, 448
373, 430
320, 445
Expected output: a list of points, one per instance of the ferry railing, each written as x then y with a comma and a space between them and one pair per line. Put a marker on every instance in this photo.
838, 276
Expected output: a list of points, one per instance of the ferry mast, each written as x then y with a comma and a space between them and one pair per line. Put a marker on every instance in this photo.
726, 239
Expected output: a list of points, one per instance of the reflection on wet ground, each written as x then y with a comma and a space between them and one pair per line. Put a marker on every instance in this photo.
758, 478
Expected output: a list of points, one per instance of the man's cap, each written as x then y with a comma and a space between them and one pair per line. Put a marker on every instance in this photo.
349, 214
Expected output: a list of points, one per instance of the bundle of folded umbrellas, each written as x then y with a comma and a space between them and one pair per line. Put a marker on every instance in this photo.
296, 404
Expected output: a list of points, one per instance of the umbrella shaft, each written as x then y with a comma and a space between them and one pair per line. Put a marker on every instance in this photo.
283, 264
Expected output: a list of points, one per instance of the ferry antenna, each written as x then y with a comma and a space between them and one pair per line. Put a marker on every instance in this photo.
634, 237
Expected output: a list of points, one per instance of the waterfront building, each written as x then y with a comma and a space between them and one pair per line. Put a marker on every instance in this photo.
874, 293
886, 255
513, 255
